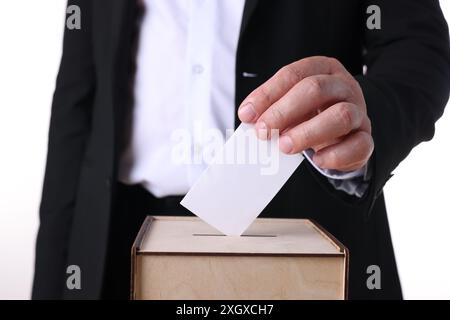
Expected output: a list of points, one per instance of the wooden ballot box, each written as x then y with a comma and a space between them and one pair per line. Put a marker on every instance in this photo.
184, 258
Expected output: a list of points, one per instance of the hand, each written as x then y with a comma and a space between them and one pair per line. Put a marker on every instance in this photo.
314, 103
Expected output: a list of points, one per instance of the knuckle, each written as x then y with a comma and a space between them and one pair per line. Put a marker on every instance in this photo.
290, 74
333, 62
353, 88
344, 116
304, 135
353, 85
365, 145
264, 94
313, 86
349, 93
276, 117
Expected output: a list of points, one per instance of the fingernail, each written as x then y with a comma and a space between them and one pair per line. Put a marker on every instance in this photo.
286, 144
261, 130
247, 112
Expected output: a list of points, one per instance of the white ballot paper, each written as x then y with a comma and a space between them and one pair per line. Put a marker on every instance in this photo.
244, 176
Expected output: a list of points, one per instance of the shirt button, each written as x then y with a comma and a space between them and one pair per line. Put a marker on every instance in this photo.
198, 69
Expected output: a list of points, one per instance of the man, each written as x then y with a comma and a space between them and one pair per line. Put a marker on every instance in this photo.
138, 70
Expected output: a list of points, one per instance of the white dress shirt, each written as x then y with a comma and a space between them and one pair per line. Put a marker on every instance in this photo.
185, 82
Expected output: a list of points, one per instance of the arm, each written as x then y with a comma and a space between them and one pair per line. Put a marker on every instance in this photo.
407, 84
315, 102
69, 130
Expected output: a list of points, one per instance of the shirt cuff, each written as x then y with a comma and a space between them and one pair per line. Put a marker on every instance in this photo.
354, 183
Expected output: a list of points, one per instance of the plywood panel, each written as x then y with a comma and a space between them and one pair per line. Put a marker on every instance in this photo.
239, 277
265, 236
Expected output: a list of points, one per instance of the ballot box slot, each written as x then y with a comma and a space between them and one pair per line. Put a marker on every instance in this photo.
244, 235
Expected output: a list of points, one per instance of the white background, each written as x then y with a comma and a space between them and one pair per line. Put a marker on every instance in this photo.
30, 49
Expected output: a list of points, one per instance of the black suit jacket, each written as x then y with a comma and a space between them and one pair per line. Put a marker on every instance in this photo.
406, 89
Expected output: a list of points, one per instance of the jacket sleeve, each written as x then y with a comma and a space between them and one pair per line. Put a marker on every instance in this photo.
69, 129
406, 86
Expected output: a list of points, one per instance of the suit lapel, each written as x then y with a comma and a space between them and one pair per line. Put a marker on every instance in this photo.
249, 8
119, 13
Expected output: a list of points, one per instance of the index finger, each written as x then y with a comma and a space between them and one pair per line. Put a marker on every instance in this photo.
276, 87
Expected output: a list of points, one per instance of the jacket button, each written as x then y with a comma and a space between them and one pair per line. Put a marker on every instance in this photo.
108, 182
